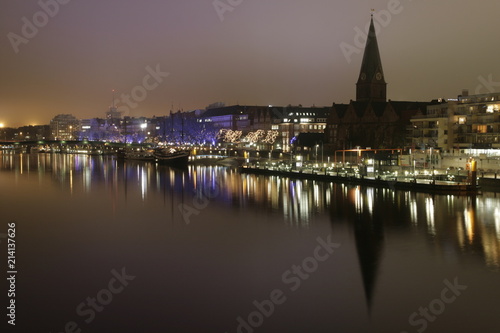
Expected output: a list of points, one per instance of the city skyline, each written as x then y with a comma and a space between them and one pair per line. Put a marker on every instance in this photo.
188, 55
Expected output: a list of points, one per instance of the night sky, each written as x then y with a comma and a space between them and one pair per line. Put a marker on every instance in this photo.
258, 52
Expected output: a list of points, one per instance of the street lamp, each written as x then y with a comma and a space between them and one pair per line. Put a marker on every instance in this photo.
322, 159
143, 127
317, 153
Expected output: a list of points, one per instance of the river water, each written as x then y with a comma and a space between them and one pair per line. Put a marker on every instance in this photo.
110, 246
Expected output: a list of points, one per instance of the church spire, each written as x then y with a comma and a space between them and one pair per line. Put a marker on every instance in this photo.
371, 82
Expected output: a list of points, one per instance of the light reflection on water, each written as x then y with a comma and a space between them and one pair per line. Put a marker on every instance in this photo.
298, 201
385, 229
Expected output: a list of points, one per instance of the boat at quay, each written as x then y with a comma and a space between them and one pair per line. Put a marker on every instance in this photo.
140, 155
417, 185
171, 156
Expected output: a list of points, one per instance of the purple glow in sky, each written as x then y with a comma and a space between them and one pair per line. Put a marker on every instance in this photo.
255, 52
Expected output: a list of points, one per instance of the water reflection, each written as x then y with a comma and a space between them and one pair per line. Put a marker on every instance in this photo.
429, 213
480, 229
451, 228
468, 224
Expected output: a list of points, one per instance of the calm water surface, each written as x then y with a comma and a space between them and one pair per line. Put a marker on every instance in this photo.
207, 249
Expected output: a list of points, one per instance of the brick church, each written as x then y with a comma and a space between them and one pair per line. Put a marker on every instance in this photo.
371, 120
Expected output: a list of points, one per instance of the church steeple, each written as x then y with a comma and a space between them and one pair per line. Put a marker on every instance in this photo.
371, 82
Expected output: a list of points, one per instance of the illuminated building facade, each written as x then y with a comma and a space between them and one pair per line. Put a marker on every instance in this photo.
296, 120
288, 121
240, 117
64, 127
469, 122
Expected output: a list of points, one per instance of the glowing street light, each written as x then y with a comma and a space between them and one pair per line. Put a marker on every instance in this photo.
4, 132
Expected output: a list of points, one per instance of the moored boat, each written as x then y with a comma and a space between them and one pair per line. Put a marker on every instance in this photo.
140, 155
428, 187
172, 156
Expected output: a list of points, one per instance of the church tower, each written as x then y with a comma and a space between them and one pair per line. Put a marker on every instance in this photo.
371, 84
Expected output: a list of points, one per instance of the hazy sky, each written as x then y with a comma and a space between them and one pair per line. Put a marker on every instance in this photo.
255, 52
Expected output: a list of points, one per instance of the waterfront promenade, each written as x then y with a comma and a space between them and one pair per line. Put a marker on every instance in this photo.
447, 170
